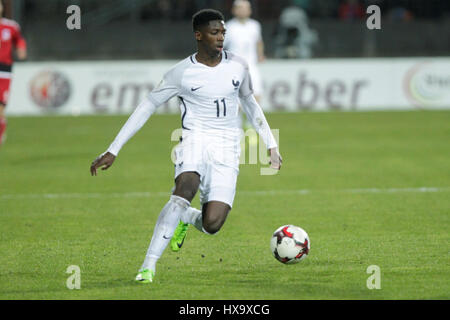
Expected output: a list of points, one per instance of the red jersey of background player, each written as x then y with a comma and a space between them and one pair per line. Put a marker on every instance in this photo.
10, 38
11, 41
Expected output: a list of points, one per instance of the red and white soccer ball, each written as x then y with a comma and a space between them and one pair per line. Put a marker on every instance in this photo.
290, 244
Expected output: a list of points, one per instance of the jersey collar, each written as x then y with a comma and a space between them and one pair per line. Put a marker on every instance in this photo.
194, 60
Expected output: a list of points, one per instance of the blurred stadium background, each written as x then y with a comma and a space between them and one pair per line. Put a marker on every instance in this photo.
159, 29
304, 69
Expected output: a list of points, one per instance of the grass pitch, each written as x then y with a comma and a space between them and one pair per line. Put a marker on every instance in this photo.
351, 180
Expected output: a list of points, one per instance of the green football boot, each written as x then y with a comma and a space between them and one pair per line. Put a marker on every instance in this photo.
178, 237
145, 276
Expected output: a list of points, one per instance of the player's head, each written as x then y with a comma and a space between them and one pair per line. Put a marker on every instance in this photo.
209, 29
203, 17
242, 9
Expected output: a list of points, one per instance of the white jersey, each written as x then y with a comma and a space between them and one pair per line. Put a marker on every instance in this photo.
209, 101
242, 39
209, 96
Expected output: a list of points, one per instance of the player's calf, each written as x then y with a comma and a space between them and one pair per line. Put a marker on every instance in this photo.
3, 125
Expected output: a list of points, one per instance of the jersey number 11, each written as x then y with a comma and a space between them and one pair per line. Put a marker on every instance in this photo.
218, 107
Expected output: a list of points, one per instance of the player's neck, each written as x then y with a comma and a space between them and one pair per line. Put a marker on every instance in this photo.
242, 20
211, 60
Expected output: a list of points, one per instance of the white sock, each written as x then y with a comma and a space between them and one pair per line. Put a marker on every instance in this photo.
165, 226
193, 216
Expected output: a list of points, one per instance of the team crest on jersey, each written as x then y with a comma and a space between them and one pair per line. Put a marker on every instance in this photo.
236, 84
6, 34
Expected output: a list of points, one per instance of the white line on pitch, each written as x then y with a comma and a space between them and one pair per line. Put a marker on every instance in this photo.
239, 192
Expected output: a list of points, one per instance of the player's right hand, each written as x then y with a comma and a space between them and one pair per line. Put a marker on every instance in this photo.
105, 161
275, 159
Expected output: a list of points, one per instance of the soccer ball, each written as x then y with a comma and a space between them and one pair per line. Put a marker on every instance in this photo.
290, 244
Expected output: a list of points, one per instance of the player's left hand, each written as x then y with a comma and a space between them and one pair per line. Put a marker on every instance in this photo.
105, 161
275, 159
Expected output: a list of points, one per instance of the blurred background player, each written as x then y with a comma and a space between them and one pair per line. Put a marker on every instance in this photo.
11, 41
294, 38
244, 39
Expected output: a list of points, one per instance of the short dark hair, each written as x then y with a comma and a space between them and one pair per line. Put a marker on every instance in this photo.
203, 17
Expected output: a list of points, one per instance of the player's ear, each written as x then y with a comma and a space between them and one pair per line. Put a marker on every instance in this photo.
198, 35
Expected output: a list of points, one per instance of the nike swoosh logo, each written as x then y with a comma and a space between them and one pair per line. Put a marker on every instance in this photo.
166, 237
195, 89
180, 244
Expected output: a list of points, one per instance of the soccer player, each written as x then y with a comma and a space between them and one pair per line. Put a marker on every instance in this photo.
10, 40
244, 39
208, 84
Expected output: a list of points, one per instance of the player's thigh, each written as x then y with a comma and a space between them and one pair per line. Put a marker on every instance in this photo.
219, 184
186, 185
4, 90
214, 215
2, 110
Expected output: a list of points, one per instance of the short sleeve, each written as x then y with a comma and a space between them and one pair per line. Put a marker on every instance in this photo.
19, 41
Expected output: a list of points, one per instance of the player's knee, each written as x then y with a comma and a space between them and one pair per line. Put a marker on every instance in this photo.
211, 228
213, 225
214, 216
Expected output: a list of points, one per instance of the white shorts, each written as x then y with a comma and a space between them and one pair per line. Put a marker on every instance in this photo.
215, 160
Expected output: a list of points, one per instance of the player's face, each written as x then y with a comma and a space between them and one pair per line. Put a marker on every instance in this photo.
212, 36
242, 10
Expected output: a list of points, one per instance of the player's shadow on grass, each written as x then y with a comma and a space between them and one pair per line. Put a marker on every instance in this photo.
255, 284
113, 283
62, 292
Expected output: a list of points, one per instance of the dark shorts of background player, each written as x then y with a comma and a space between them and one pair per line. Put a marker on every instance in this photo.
5, 81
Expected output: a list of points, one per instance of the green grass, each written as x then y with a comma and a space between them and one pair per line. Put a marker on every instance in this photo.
53, 214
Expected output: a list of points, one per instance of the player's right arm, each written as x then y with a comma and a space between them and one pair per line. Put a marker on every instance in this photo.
135, 122
165, 90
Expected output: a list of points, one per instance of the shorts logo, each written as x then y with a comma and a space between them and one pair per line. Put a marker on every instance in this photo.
50, 89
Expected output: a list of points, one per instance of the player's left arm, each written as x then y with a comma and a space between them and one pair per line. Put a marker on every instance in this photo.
19, 44
260, 44
21, 53
257, 118
260, 48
